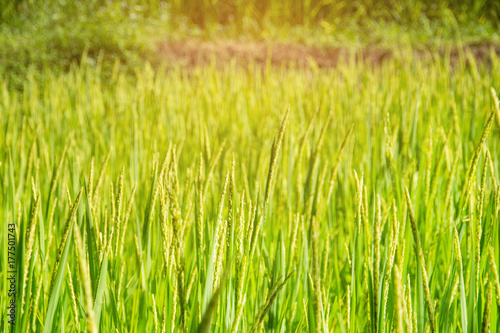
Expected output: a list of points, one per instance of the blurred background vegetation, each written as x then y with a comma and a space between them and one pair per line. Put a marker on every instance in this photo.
36, 34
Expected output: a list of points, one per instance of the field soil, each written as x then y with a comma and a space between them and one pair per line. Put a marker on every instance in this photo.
192, 53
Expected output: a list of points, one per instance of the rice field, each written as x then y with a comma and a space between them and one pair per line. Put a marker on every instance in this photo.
249, 199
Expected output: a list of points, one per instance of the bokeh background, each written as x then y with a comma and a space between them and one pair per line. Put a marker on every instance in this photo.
55, 33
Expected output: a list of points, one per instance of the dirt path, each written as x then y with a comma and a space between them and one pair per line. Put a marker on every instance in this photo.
192, 53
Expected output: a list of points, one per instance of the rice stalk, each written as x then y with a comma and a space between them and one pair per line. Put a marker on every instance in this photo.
496, 106
220, 234
309, 185
478, 226
359, 200
270, 182
126, 219
213, 164
420, 255
155, 314
85, 278
113, 220
428, 167
293, 245
348, 308
62, 244
366, 226
485, 327
165, 230
239, 313
177, 233
450, 181
100, 178
336, 164
90, 186
366, 295
491, 167
230, 213
191, 283
394, 240
273, 293
398, 296
206, 321
376, 259
39, 287
494, 273
29, 241
174, 302
241, 264
434, 182
119, 200
318, 303
55, 178
73, 298
411, 314
201, 209
467, 187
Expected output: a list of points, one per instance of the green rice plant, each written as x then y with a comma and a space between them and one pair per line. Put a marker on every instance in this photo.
190, 217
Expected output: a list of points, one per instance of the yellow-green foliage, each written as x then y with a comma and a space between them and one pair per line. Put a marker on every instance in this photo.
353, 199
